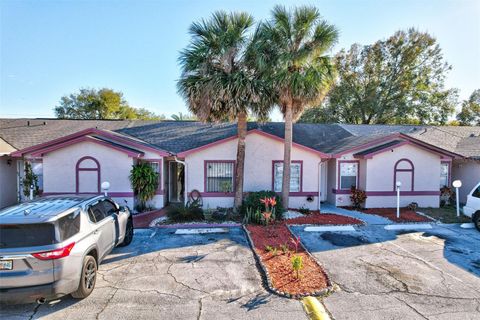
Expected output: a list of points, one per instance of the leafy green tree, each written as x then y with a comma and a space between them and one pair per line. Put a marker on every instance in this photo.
470, 113
100, 104
290, 56
217, 82
393, 81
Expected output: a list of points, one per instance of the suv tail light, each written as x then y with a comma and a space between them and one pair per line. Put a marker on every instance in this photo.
55, 254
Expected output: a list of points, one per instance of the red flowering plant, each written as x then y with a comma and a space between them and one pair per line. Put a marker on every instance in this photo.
296, 242
269, 213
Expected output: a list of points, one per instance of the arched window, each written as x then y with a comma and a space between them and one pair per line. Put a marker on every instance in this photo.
87, 175
404, 171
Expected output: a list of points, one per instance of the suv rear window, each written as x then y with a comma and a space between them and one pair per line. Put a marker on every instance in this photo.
27, 235
69, 225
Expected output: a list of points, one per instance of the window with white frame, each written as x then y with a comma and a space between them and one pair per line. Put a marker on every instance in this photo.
37, 169
348, 175
295, 176
444, 174
219, 176
156, 167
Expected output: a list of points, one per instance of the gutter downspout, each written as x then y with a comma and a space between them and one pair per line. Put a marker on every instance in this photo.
185, 195
319, 184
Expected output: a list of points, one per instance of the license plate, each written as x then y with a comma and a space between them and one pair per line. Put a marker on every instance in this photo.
6, 264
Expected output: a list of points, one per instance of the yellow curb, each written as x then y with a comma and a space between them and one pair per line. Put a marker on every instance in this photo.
315, 310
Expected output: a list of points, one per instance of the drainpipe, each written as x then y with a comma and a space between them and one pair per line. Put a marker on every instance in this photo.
185, 192
319, 183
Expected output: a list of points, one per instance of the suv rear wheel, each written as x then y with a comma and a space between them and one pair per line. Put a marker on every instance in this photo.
87, 279
476, 220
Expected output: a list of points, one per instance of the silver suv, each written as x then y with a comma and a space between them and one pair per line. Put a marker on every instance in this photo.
52, 246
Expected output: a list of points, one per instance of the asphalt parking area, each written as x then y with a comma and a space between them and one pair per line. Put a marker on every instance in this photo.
166, 276
381, 274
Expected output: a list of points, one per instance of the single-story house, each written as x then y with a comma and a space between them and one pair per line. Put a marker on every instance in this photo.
76, 156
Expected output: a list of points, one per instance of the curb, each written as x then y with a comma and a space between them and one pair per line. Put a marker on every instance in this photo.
315, 309
268, 281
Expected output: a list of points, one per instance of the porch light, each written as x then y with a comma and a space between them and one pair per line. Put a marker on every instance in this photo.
457, 184
105, 186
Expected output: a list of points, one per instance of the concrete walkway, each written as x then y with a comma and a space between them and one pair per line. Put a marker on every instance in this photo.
367, 218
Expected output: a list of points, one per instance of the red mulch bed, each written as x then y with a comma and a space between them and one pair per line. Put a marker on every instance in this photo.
315, 217
142, 220
406, 215
312, 276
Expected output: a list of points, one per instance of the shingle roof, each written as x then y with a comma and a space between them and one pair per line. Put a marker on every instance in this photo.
462, 140
23, 133
179, 136
378, 148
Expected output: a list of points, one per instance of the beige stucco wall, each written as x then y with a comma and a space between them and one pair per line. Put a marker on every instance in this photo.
8, 181
468, 171
5, 147
260, 152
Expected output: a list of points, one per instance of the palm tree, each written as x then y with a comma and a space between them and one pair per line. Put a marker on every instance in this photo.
217, 83
182, 116
290, 52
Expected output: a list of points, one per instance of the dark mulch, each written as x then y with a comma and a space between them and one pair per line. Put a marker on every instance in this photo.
312, 276
406, 215
315, 217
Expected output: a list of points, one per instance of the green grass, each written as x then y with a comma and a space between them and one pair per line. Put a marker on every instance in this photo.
447, 214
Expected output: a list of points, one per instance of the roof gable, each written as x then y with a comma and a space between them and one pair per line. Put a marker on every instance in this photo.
109, 139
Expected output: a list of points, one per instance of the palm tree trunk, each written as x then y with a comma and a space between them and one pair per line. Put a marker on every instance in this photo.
239, 171
287, 154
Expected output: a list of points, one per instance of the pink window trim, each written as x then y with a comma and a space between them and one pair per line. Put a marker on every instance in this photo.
449, 163
411, 170
218, 194
301, 174
338, 173
160, 168
78, 169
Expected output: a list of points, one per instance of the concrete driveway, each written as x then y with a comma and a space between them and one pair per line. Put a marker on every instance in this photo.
166, 276
381, 274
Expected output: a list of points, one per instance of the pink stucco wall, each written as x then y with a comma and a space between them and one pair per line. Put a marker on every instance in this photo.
59, 169
426, 177
467, 171
260, 152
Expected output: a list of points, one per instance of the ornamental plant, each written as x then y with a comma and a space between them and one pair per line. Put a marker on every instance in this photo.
357, 197
297, 264
253, 201
144, 181
30, 179
296, 242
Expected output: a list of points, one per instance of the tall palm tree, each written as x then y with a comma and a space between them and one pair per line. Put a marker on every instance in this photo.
217, 83
290, 52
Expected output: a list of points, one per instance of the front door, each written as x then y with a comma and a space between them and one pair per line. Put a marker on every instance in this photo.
176, 181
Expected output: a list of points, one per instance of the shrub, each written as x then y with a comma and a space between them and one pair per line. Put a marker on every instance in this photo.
252, 216
297, 264
447, 196
189, 212
303, 210
253, 202
413, 206
357, 197
144, 181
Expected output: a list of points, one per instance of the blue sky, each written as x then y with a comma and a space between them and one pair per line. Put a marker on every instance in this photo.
52, 48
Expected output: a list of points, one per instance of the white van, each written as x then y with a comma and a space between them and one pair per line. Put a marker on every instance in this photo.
472, 208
